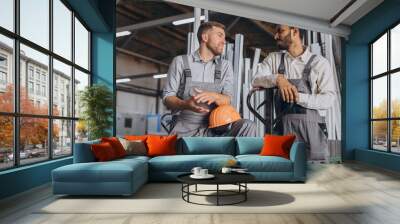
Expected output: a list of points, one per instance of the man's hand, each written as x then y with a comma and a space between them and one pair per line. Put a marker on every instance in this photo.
288, 91
191, 104
205, 97
211, 97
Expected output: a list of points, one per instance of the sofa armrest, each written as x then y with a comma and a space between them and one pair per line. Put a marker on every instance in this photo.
299, 158
83, 152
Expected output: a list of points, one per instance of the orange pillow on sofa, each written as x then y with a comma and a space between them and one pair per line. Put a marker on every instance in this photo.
116, 145
136, 137
161, 145
275, 145
103, 151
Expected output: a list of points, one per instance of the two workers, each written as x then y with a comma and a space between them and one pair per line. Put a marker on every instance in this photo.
200, 82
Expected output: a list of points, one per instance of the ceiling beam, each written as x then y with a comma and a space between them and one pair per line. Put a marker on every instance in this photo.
137, 55
232, 24
127, 13
156, 22
180, 8
152, 44
264, 27
346, 11
137, 91
146, 15
139, 76
268, 15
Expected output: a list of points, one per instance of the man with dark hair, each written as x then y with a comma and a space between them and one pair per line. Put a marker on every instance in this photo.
198, 83
305, 89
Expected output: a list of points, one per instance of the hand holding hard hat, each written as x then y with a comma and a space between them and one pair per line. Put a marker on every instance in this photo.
204, 96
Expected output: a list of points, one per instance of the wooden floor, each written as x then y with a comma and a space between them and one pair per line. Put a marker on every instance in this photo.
377, 188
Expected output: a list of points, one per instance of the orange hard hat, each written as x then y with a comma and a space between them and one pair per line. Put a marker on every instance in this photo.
223, 115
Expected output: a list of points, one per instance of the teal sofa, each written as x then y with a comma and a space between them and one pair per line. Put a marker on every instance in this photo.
125, 176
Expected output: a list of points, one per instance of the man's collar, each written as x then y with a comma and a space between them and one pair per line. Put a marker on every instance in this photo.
197, 58
306, 54
303, 57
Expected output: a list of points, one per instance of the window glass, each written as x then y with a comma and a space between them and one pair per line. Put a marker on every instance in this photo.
6, 142
81, 45
379, 135
62, 138
81, 82
62, 91
62, 29
379, 97
395, 95
395, 47
34, 21
379, 56
33, 139
6, 74
39, 62
7, 14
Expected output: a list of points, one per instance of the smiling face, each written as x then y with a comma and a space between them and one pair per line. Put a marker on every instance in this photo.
214, 39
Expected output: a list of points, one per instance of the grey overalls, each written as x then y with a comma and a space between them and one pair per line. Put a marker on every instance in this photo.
190, 123
306, 124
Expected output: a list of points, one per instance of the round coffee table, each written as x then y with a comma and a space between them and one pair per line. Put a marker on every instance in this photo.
238, 179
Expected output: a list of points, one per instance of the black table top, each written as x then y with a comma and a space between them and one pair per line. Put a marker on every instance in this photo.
220, 178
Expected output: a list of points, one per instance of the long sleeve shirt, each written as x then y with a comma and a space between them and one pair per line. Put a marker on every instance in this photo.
201, 72
322, 83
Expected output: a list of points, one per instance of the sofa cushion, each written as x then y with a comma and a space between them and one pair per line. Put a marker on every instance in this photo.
116, 145
134, 147
248, 145
185, 163
112, 171
207, 145
83, 152
161, 145
257, 163
277, 145
103, 151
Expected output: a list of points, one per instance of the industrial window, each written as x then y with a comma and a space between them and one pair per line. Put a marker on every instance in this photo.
128, 123
34, 52
384, 91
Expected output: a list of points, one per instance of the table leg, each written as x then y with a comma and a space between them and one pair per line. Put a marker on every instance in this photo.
217, 194
245, 191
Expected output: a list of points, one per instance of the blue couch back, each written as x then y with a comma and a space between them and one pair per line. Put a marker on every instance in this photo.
207, 145
83, 153
249, 145
190, 146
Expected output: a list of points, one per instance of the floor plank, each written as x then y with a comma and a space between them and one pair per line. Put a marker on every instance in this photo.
376, 189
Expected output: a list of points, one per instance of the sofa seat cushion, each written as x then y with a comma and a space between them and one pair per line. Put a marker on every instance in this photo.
133, 158
257, 163
112, 171
185, 163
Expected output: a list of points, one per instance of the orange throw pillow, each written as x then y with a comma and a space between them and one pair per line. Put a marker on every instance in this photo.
161, 145
103, 151
116, 145
275, 145
136, 137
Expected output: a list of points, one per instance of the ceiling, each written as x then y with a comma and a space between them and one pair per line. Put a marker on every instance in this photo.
155, 39
164, 41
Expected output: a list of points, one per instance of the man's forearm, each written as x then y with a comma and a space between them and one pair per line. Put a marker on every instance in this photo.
174, 103
222, 99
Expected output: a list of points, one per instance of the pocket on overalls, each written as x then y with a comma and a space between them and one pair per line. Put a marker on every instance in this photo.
323, 128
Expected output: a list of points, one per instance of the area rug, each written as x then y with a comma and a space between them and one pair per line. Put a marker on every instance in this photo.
167, 198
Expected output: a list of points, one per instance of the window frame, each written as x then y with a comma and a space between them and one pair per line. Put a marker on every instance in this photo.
16, 114
388, 74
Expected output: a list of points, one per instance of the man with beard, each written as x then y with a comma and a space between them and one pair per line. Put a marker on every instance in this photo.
200, 82
305, 90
